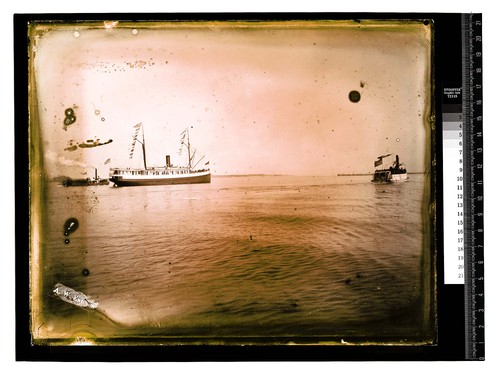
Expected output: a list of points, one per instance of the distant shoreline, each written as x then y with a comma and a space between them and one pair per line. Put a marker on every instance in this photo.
292, 175
250, 175
369, 174
354, 174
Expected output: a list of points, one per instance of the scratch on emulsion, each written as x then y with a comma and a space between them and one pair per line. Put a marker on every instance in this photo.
74, 297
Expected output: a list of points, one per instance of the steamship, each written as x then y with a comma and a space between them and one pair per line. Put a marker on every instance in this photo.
396, 173
164, 175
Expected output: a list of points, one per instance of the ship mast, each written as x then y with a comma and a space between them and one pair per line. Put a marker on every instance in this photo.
143, 149
189, 149
184, 134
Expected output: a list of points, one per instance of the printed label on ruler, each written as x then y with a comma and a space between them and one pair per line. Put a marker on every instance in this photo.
453, 187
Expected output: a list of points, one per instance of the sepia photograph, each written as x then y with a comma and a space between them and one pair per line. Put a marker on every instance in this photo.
232, 182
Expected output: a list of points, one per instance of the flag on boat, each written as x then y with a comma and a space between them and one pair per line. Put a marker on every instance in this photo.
207, 163
132, 147
379, 159
183, 136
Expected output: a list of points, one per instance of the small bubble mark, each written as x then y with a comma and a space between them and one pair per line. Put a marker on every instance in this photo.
70, 116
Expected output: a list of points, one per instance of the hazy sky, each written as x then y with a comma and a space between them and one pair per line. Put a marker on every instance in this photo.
257, 98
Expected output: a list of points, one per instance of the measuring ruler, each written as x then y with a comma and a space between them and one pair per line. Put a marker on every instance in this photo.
472, 105
463, 185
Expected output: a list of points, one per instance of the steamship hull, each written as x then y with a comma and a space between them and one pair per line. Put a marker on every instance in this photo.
386, 177
82, 182
400, 177
167, 179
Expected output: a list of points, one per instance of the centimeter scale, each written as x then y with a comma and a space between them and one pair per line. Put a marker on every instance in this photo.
463, 185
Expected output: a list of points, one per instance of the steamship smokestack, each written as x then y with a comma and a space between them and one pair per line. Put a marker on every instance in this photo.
168, 160
397, 162
95, 169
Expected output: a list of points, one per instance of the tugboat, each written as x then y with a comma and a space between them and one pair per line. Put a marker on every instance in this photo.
396, 173
89, 181
164, 175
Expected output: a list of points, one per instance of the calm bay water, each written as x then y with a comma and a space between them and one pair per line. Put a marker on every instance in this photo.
248, 256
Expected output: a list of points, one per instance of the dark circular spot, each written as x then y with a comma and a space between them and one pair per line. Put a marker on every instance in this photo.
69, 112
67, 120
354, 96
66, 241
103, 119
426, 22
70, 226
85, 272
